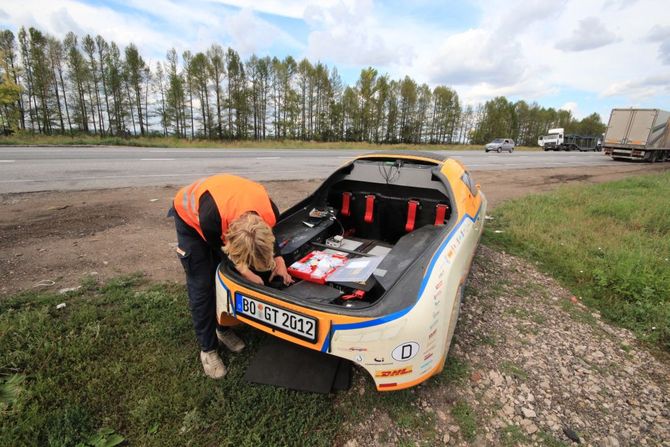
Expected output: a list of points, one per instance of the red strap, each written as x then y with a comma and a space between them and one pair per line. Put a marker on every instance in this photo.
440, 213
369, 208
357, 295
411, 215
346, 200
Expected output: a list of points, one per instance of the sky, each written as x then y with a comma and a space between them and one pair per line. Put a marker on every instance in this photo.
585, 56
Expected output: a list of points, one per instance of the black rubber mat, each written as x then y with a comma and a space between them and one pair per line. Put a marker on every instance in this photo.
287, 365
342, 380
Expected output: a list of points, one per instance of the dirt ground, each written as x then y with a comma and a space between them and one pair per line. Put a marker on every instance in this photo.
53, 240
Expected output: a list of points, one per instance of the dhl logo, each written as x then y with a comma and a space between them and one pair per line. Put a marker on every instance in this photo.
394, 372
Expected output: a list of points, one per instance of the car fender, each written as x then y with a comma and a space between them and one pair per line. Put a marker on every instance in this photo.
408, 350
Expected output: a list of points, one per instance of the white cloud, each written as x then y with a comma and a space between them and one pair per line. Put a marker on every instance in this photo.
250, 34
524, 14
155, 25
590, 34
570, 106
619, 4
285, 8
491, 60
664, 52
641, 89
661, 34
481, 58
347, 32
58, 18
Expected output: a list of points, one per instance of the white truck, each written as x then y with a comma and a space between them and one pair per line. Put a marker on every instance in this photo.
552, 140
556, 140
638, 134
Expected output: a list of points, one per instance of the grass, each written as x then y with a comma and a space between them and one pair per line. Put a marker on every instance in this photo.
526, 314
577, 314
465, 418
121, 361
119, 364
487, 339
549, 440
455, 371
513, 370
608, 243
512, 436
159, 141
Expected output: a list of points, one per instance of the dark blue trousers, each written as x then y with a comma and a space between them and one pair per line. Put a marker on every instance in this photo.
200, 262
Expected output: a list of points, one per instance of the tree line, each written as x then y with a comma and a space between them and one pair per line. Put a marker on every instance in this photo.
89, 85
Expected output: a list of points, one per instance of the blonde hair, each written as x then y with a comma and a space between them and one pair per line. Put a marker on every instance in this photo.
250, 243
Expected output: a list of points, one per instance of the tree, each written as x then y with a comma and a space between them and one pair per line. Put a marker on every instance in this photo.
367, 88
88, 44
175, 95
237, 95
159, 87
422, 108
10, 93
591, 126
136, 73
408, 100
115, 80
103, 49
304, 74
42, 78
56, 55
200, 70
218, 70
9, 61
335, 110
78, 74
498, 121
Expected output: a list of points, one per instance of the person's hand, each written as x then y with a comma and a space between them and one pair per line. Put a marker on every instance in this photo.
280, 270
250, 276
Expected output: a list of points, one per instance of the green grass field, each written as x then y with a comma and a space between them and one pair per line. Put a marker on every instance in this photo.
28, 139
124, 357
120, 361
608, 243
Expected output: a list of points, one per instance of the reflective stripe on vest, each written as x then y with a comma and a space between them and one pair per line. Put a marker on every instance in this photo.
189, 198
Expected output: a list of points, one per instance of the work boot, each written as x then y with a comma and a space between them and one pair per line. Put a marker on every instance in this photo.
230, 340
212, 364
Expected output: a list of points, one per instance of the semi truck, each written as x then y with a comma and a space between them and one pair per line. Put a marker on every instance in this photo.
556, 140
638, 134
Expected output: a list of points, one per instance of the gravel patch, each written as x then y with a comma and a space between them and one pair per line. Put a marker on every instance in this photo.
534, 367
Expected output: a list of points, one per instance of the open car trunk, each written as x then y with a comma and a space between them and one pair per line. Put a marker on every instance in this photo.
391, 215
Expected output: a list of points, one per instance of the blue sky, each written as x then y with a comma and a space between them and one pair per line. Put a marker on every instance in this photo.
585, 56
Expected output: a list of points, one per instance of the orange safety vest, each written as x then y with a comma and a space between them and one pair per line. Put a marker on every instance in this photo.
233, 196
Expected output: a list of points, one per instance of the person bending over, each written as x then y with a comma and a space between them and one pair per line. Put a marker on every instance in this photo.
217, 217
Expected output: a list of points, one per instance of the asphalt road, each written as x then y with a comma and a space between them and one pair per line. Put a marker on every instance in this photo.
24, 169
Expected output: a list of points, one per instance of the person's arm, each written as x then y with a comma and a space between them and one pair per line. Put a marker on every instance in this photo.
280, 265
249, 275
210, 221
275, 210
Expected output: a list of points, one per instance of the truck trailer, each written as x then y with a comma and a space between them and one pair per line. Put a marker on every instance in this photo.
638, 134
556, 140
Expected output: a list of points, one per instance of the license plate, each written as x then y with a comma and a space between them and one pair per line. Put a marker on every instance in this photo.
283, 320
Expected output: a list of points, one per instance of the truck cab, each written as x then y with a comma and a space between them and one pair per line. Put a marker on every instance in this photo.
553, 140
